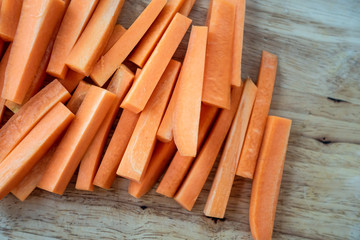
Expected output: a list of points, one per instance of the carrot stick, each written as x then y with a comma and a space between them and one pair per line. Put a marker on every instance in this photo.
9, 15
106, 173
180, 165
225, 173
30, 150
141, 145
200, 170
218, 64
266, 184
254, 134
150, 75
110, 61
188, 103
3, 64
115, 36
36, 25
71, 80
147, 44
76, 140
2, 107
186, 7
78, 97
92, 41
137, 73
119, 85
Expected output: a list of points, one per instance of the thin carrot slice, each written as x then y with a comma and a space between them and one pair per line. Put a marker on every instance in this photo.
266, 184
76, 140
188, 103
255, 132
141, 145
30, 150
9, 14
110, 61
71, 80
186, 7
225, 173
200, 170
78, 97
115, 36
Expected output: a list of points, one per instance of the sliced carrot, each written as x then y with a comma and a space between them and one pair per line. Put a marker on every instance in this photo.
137, 73
92, 41
71, 80
150, 75
147, 44
76, 140
266, 184
2, 107
255, 132
200, 170
141, 145
159, 161
180, 165
119, 85
225, 173
30, 150
78, 96
188, 103
9, 15
115, 36
3, 64
218, 67
186, 7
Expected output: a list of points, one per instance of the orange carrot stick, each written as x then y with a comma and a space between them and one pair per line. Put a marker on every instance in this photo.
188, 103
110, 61
30, 150
186, 7
254, 134
76, 140
3, 64
150, 75
2, 107
137, 73
10, 14
266, 185
71, 80
141, 145
115, 36
200, 170
78, 97
225, 173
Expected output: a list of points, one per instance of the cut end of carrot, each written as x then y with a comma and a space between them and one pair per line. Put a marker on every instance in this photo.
127, 105
185, 205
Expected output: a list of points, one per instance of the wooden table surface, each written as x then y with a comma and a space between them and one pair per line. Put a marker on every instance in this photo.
317, 86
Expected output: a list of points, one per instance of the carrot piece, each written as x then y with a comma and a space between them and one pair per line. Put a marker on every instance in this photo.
110, 61
76, 140
74, 22
30, 150
200, 170
147, 44
3, 64
71, 80
180, 165
186, 7
2, 107
115, 36
78, 97
119, 85
225, 173
92, 41
137, 73
10, 14
150, 75
106, 173
141, 145
159, 161
254, 134
266, 184
188, 103
26, 118
218, 64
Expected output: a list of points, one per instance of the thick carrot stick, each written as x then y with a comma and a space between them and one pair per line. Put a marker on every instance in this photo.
200, 170
9, 15
92, 41
3, 64
30, 150
266, 184
150, 75
119, 85
188, 103
71, 80
186, 7
218, 64
110, 61
141, 145
254, 134
76, 140
147, 44
225, 173
78, 96
115, 36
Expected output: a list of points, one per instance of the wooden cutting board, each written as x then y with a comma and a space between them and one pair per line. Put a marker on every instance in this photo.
317, 86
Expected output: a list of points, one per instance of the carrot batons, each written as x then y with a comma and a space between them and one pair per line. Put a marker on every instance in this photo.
218, 64
108, 63
200, 170
9, 15
78, 96
147, 44
225, 173
92, 41
115, 36
267, 179
141, 145
254, 134
188, 102
76, 140
186, 7
30, 150
150, 75
71, 80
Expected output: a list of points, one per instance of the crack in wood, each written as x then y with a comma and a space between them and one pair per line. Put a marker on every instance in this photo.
336, 100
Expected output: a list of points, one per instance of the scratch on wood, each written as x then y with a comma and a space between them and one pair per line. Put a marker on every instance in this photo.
336, 100
324, 141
